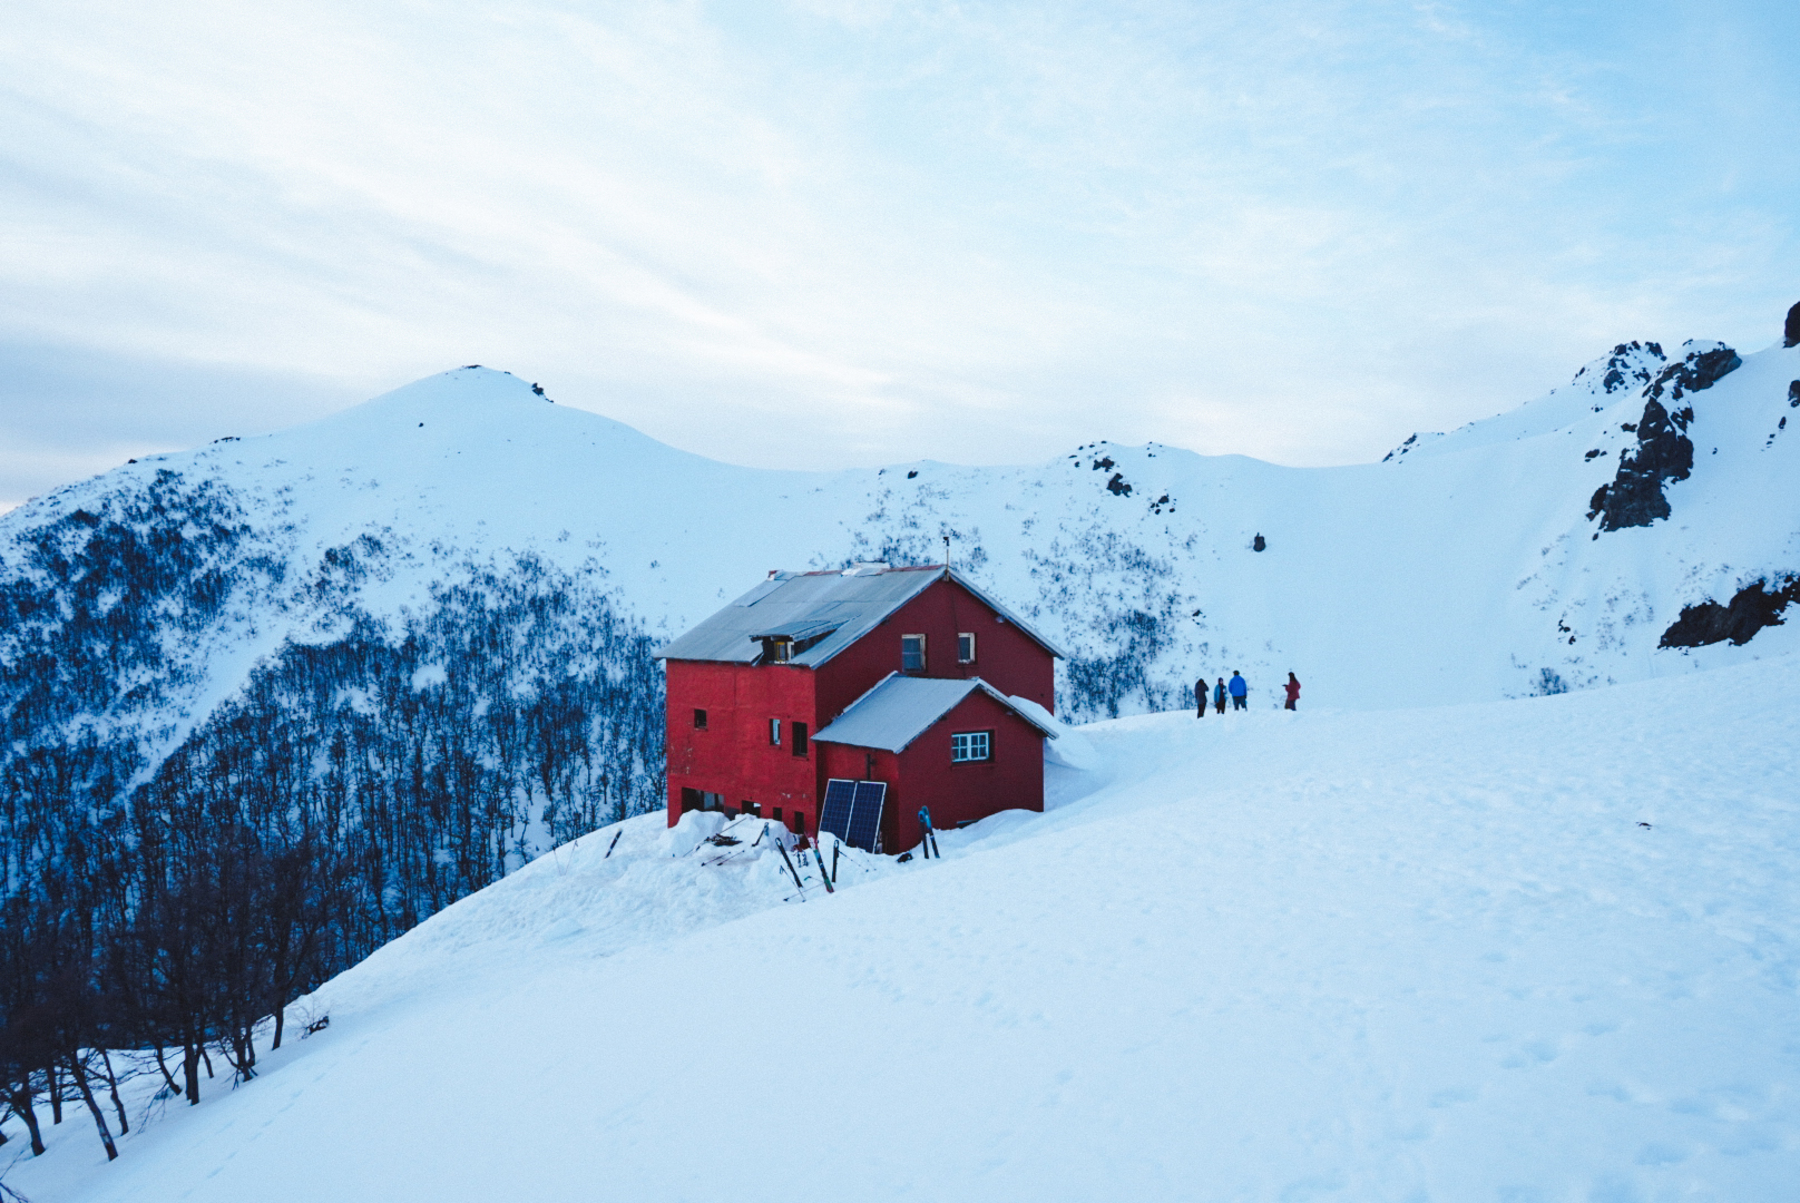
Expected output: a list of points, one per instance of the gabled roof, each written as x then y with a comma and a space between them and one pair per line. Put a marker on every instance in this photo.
900, 709
834, 608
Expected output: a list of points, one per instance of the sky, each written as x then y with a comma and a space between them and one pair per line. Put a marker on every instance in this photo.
825, 233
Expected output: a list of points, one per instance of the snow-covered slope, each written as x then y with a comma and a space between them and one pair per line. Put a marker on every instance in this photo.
1534, 949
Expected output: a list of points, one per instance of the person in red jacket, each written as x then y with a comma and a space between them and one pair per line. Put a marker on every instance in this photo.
1293, 690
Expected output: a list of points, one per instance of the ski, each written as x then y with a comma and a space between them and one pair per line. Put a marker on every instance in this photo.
819, 860
615, 842
781, 847
928, 841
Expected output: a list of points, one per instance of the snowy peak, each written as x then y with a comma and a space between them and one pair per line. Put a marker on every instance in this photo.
1627, 368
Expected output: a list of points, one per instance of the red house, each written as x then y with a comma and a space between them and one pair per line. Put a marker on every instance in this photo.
901, 678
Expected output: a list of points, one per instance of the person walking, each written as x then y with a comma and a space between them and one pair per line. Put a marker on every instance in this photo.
1293, 690
1240, 689
1200, 696
1219, 696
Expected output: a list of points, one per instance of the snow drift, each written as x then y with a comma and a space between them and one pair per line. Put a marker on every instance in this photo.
1543, 948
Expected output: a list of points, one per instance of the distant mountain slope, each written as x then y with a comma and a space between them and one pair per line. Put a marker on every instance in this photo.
446, 597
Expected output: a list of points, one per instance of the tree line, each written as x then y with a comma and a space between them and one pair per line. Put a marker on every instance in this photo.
160, 910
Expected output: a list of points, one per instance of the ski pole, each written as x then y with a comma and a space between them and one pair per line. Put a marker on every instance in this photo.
615, 842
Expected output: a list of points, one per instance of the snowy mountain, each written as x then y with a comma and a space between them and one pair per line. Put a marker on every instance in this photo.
418, 633
1531, 949
1553, 546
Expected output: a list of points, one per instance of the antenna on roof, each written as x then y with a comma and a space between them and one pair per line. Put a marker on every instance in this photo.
946, 551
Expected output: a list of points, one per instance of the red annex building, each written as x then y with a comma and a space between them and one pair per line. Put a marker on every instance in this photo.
907, 676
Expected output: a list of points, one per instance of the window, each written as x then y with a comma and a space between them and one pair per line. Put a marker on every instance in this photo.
775, 732
777, 815
799, 739
699, 719
966, 746
912, 653
799, 827
750, 809
692, 799
965, 648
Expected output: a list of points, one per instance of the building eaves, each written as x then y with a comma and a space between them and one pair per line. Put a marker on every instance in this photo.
899, 709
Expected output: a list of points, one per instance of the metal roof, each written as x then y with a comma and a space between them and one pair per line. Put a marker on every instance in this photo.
836, 608
900, 709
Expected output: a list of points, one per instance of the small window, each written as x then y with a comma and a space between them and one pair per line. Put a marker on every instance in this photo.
912, 653
775, 732
692, 799
966, 746
777, 814
799, 827
799, 739
749, 809
965, 648
699, 720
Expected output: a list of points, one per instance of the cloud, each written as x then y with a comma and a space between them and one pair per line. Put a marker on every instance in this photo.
860, 232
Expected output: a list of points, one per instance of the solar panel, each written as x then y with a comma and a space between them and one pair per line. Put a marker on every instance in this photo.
834, 815
865, 816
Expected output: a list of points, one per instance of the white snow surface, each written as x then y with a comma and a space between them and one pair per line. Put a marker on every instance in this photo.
1464, 569
1533, 949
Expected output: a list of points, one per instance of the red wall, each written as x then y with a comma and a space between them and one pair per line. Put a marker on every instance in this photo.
923, 774
1005, 657
733, 756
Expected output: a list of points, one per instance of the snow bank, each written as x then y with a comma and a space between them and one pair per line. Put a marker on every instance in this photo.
1543, 949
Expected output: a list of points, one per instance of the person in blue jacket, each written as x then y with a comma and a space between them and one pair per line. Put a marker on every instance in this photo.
1219, 696
1240, 689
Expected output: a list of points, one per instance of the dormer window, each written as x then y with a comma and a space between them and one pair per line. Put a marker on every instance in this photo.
912, 653
965, 647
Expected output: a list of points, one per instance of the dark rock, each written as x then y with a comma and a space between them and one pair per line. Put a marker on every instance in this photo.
1791, 335
1593, 454
1751, 609
1699, 370
1117, 485
1259, 544
912, 474
1663, 453
1105, 464
1794, 395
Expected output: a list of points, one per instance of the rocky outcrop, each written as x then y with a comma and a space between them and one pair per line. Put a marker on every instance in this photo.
1628, 366
1697, 370
1663, 451
1791, 336
1752, 608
